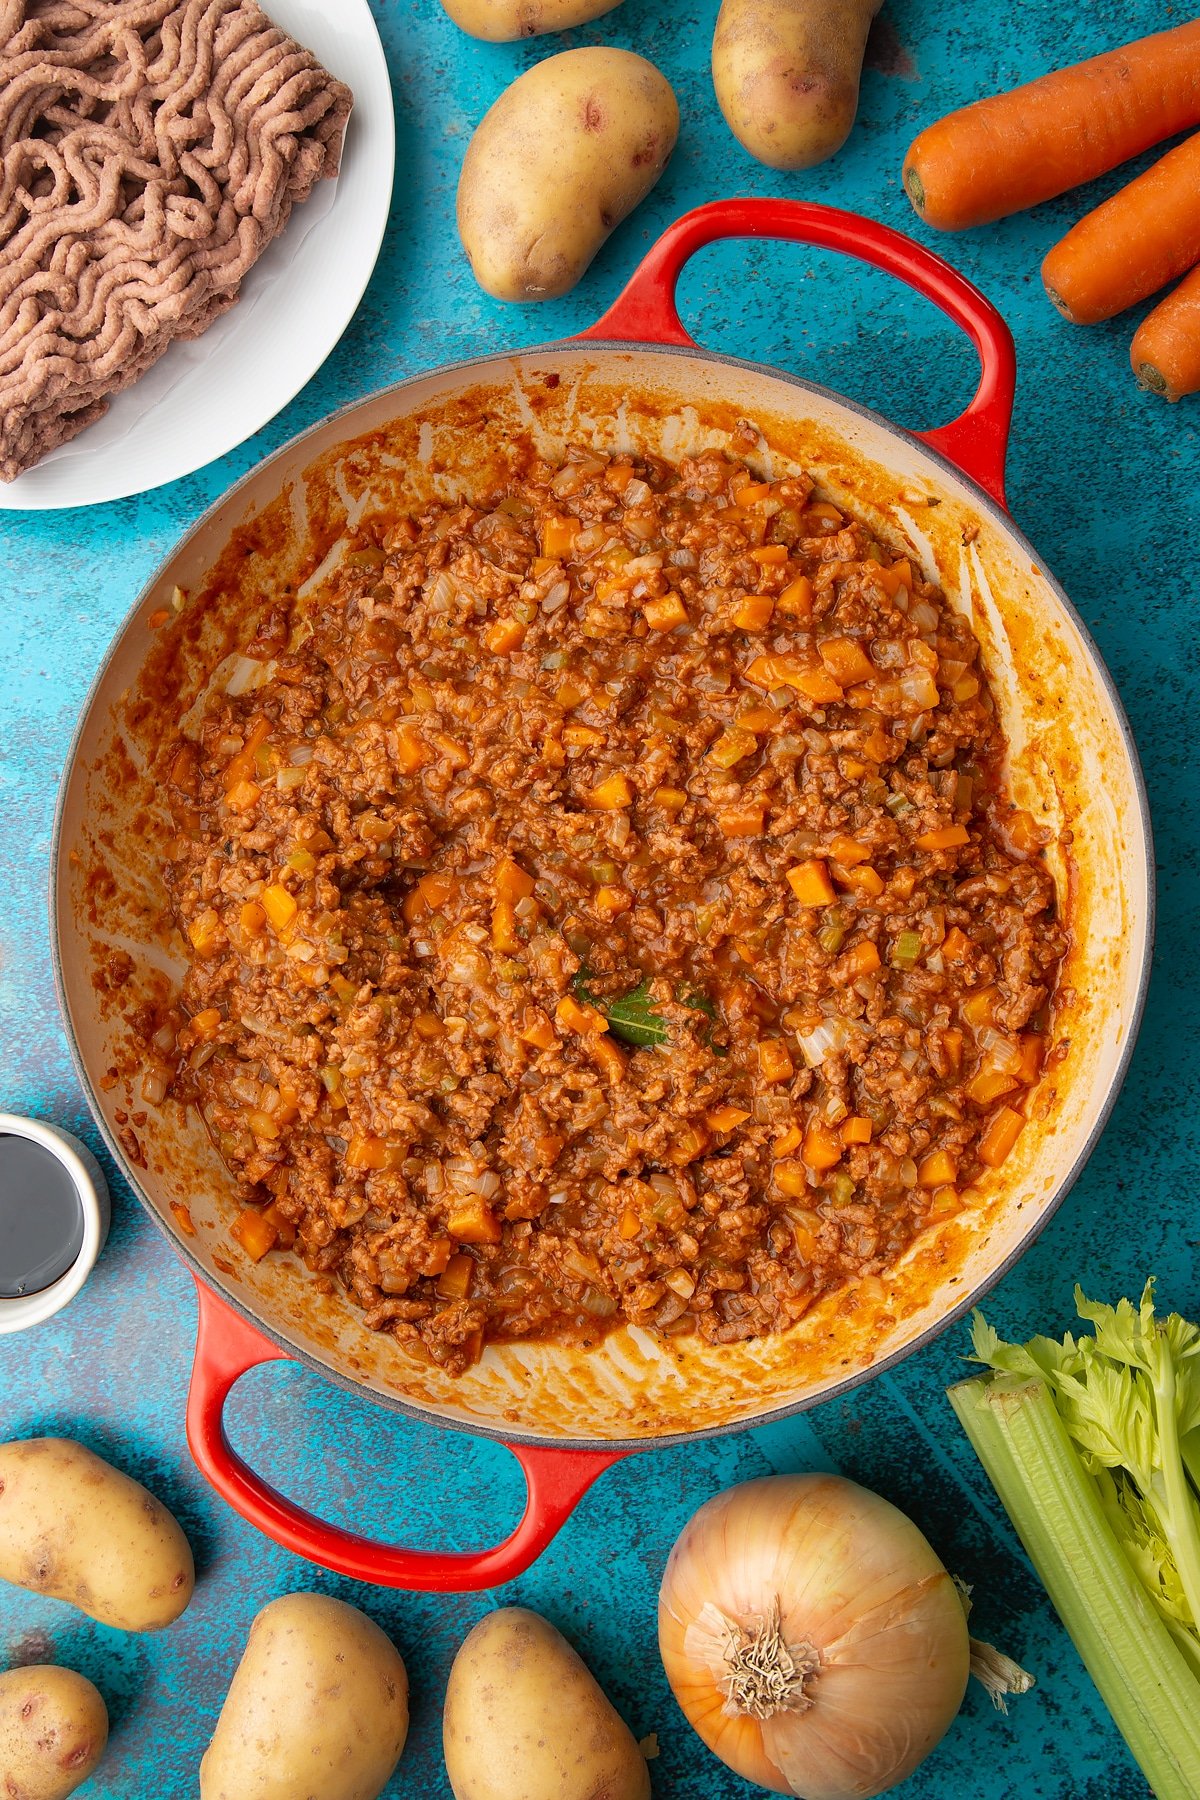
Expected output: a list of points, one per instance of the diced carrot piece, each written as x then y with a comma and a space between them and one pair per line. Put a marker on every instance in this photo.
796, 599
863, 880
254, 1233
474, 1222
365, 1152
504, 928
847, 850
856, 1130
1033, 1047
952, 1041
726, 1118
810, 883
788, 1140
815, 684
612, 793
583, 737
411, 751
767, 671
454, 1282
989, 1083
757, 718
537, 1029
774, 1060
582, 1019
769, 555
608, 1057
743, 820
948, 837
671, 799
731, 747
937, 1169
452, 751
558, 537
791, 1178
542, 564
977, 1008
664, 614
276, 1217
183, 1218
754, 612
242, 766
569, 693
204, 931
206, 1024
630, 1225
280, 906
846, 660
610, 902
944, 1202
1000, 1136
436, 888
687, 1144
1024, 833
252, 918
511, 881
504, 635
242, 796
823, 1147
618, 476
898, 576
955, 945
752, 493
965, 688
861, 959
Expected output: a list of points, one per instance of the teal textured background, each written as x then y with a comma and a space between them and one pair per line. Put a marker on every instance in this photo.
1104, 481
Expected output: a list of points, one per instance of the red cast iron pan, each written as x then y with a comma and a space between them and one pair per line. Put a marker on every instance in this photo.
238, 1329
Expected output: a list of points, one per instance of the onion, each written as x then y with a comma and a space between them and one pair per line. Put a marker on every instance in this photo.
246, 674
821, 1042
919, 688
812, 1637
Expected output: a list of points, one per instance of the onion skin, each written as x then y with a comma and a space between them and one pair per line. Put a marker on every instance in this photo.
857, 1581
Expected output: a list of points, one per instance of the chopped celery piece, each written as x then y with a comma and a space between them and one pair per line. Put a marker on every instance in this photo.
906, 951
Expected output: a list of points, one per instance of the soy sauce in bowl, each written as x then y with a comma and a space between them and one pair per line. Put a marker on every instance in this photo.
41, 1218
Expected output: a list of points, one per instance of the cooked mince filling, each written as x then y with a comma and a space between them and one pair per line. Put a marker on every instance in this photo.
602, 905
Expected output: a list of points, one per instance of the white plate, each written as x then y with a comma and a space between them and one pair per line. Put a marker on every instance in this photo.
205, 397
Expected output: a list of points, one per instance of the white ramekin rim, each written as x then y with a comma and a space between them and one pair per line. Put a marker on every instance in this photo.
87, 1177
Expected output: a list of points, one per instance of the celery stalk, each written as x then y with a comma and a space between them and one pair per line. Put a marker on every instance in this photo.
1145, 1681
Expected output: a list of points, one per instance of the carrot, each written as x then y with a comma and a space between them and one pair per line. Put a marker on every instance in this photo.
1135, 243
1165, 351
1017, 149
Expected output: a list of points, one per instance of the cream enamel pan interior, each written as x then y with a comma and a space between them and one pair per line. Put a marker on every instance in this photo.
1072, 764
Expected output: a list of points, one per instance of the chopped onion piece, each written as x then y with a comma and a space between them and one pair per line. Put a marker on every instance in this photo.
823, 1041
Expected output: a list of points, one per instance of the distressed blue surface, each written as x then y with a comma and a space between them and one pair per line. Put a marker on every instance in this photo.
1104, 482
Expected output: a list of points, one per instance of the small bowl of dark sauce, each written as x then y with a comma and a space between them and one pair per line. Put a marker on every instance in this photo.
54, 1215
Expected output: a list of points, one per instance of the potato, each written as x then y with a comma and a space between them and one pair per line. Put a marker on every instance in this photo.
501, 20
786, 73
561, 158
53, 1730
75, 1528
525, 1720
318, 1706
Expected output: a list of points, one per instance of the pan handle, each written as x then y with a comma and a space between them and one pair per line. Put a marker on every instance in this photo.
227, 1346
646, 313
